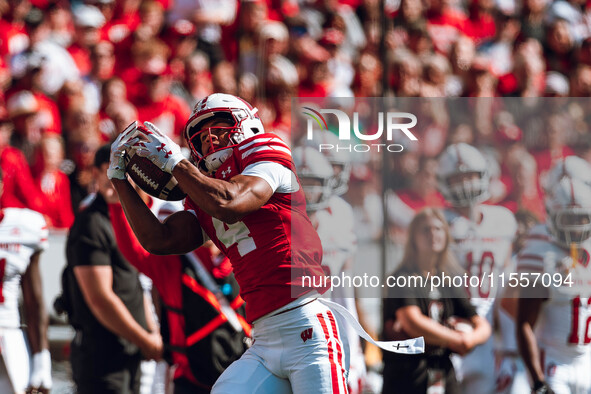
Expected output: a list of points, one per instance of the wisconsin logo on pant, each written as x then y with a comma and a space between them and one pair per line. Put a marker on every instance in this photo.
306, 334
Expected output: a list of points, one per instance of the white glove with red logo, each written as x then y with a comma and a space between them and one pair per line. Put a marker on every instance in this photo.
159, 149
125, 140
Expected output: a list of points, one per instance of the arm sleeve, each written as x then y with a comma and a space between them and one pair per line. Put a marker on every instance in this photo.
280, 178
127, 242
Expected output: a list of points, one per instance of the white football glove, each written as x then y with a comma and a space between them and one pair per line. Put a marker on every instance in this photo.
41, 371
159, 149
125, 140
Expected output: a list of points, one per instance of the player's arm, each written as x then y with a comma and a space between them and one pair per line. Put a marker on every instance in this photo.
416, 324
37, 322
528, 310
228, 201
96, 285
180, 233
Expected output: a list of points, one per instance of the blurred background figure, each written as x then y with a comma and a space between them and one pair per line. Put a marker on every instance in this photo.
417, 311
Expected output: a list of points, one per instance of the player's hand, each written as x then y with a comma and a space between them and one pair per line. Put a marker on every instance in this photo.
123, 142
154, 347
159, 149
541, 388
40, 380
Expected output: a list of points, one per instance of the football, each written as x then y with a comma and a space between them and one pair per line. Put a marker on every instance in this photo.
151, 179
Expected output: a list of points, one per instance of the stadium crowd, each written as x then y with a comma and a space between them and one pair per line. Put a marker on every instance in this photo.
75, 74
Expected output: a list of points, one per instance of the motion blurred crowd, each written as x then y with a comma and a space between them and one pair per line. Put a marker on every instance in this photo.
73, 74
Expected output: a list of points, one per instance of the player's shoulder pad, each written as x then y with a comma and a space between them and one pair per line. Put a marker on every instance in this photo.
263, 147
538, 244
27, 218
32, 225
500, 218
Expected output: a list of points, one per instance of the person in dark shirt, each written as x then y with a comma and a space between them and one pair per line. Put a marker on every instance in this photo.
417, 310
106, 300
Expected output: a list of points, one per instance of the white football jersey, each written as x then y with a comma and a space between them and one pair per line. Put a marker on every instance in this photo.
482, 248
335, 229
563, 325
22, 233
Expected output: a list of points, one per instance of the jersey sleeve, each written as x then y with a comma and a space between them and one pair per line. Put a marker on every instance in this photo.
280, 178
531, 256
266, 147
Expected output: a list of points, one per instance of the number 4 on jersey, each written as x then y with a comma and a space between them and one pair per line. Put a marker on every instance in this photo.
236, 233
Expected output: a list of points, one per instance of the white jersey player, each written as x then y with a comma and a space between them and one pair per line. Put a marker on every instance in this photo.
483, 236
333, 218
23, 236
553, 318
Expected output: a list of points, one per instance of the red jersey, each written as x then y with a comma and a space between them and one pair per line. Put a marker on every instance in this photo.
81, 57
13, 38
272, 249
20, 191
169, 114
55, 187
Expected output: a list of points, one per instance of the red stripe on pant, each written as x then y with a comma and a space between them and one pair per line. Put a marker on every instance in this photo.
333, 366
339, 348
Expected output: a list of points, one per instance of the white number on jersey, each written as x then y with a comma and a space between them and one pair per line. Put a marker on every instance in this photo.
236, 233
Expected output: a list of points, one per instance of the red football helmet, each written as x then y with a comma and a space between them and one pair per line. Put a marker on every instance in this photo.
243, 118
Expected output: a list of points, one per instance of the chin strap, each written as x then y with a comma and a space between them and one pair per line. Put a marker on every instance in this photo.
213, 161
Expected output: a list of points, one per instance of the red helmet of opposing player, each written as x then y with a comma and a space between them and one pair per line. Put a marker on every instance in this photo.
243, 120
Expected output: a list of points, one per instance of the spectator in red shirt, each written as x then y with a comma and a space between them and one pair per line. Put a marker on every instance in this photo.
148, 57
160, 107
13, 37
87, 22
444, 24
54, 184
116, 111
480, 25
23, 109
19, 189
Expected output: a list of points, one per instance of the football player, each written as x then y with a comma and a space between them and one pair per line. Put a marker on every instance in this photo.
483, 235
23, 237
553, 321
244, 195
332, 217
